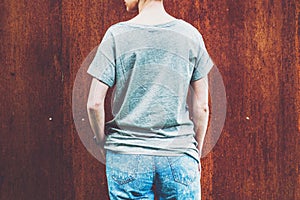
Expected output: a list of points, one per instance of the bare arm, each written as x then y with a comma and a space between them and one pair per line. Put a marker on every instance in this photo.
200, 110
95, 109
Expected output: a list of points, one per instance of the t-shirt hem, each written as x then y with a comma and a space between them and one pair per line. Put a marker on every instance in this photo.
191, 153
105, 81
211, 64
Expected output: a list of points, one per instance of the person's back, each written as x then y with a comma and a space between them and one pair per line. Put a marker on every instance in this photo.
151, 61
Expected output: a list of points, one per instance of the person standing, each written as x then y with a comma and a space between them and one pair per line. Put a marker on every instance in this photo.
155, 137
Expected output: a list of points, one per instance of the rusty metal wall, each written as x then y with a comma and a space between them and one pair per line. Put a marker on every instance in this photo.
255, 45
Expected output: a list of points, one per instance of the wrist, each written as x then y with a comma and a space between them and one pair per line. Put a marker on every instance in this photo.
98, 143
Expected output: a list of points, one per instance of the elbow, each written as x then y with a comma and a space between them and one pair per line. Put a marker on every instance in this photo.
201, 107
201, 110
94, 106
204, 109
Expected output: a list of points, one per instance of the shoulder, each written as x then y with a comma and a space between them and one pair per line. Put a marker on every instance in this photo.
117, 28
185, 28
190, 30
112, 31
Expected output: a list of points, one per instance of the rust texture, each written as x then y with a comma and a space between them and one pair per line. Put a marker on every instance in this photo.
255, 45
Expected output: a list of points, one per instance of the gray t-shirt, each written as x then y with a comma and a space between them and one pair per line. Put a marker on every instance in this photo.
151, 67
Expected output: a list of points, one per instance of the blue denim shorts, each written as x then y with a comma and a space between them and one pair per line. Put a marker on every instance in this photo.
136, 176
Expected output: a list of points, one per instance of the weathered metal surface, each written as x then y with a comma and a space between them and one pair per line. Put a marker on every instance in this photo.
255, 46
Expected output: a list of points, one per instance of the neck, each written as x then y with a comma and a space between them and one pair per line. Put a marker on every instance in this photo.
151, 7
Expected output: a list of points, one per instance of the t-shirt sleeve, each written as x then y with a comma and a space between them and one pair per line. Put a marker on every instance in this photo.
103, 65
203, 62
